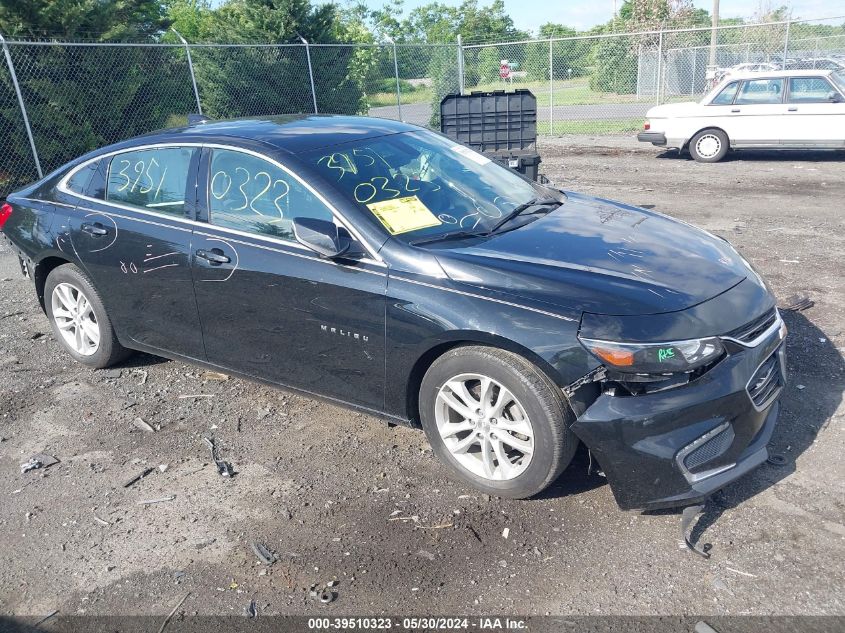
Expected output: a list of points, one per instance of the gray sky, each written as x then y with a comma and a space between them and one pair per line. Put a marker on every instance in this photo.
583, 14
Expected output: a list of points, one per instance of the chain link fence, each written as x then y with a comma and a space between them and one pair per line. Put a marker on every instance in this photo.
78, 96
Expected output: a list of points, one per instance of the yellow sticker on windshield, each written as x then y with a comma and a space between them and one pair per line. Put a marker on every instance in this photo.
401, 215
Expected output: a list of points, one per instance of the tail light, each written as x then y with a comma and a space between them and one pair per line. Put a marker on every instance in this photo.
647, 125
5, 213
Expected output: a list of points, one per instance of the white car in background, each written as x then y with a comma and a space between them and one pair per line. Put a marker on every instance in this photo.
782, 109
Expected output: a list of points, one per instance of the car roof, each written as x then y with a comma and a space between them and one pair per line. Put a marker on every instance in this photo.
774, 74
291, 133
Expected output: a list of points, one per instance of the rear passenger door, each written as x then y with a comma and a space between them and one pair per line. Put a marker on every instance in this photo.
132, 231
815, 117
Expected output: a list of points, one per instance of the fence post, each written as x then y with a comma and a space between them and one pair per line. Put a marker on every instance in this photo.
310, 71
460, 65
22, 106
786, 43
659, 66
396, 70
551, 89
191, 68
694, 64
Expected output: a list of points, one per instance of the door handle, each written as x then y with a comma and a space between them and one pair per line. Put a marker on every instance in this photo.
792, 109
735, 110
214, 256
94, 229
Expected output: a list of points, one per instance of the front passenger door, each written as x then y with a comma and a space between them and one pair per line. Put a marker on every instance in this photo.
757, 113
270, 307
815, 117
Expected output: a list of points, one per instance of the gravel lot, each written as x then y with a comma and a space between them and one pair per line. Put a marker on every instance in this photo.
338, 495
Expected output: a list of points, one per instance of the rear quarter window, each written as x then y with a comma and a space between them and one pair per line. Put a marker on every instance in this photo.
727, 95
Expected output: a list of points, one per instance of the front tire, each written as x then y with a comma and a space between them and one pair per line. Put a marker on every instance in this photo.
709, 146
496, 421
79, 319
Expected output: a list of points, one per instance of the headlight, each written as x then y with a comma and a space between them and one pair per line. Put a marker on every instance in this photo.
654, 358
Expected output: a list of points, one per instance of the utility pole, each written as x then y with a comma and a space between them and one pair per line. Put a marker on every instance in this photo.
714, 34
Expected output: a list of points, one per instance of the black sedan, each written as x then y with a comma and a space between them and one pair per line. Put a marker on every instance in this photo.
387, 268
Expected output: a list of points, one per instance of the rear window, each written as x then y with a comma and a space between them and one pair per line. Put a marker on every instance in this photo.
151, 179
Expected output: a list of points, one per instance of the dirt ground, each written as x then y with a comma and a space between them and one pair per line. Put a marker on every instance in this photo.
338, 495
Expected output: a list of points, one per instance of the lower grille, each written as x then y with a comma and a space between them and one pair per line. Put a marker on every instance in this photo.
767, 382
710, 450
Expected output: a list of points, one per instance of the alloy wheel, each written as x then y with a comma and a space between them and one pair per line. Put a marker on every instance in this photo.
484, 427
75, 319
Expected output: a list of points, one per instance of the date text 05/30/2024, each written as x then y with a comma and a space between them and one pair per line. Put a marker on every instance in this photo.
419, 623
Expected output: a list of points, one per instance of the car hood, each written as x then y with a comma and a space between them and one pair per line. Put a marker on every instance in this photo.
669, 110
599, 256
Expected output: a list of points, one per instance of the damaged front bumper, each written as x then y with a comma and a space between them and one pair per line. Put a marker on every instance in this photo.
677, 447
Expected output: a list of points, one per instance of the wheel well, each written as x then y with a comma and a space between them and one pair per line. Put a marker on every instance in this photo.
42, 270
704, 129
412, 393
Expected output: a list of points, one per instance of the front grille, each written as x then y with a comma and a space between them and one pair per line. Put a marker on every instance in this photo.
710, 450
767, 382
755, 328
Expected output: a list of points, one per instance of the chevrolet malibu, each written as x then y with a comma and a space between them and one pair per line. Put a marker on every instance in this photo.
386, 268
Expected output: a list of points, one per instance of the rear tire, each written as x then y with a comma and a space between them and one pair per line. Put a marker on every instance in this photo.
508, 432
709, 146
79, 319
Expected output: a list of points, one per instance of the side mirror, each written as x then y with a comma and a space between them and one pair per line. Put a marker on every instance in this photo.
835, 97
321, 236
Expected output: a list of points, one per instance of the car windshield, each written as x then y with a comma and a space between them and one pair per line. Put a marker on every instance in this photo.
421, 185
838, 78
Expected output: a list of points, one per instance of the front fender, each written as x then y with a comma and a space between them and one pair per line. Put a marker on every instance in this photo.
426, 318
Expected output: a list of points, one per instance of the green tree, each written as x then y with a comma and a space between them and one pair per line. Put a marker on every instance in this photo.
79, 98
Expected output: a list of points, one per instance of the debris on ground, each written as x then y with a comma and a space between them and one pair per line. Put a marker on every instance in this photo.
251, 610
172, 613
505, 533
776, 460
264, 555
139, 423
427, 555
44, 619
214, 375
797, 302
324, 593
143, 375
196, 395
224, 468
148, 502
138, 477
38, 461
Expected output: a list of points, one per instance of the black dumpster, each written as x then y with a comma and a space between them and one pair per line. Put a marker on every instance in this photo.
501, 125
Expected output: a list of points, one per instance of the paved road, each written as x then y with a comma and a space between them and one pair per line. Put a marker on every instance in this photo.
420, 113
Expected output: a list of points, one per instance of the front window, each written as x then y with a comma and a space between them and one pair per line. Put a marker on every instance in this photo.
151, 179
726, 97
809, 90
251, 194
759, 91
421, 184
